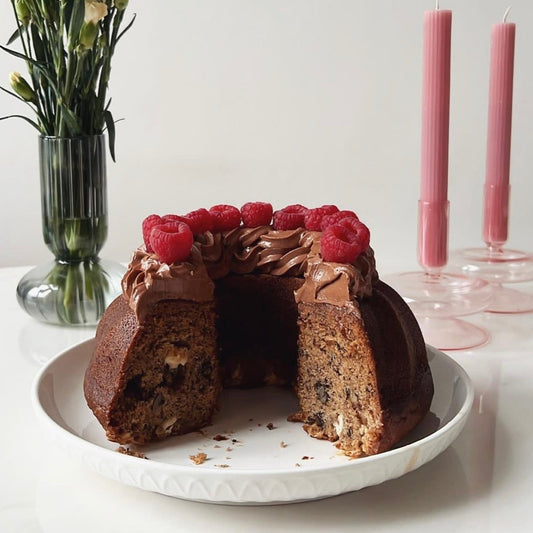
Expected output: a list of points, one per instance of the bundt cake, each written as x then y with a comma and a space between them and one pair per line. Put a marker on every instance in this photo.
243, 298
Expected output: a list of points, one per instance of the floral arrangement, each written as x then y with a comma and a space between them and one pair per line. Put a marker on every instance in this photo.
67, 46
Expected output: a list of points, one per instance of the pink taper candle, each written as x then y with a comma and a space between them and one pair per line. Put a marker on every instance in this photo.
433, 205
496, 210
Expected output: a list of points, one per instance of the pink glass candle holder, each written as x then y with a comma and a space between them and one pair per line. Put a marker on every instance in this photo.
494, 263
440, 299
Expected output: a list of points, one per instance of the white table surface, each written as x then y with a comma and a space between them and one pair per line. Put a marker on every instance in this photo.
483, 482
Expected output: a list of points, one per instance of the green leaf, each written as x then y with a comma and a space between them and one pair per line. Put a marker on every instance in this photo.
71, 120
15, 95
28, 120
67, 7
42, 69
38, 47
21, 56
43, 127
52, 9
127, 27
76, 22
110, 123
15, 36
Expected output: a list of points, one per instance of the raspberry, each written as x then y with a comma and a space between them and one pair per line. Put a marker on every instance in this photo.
361, 231
172, 218
329, 209
290, 217
313, 217
339, 244
328, 220
148, 223
256, 214
199, 221
171, 241
225, 217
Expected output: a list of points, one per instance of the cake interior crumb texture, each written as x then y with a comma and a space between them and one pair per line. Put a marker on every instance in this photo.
337, 378
169, 383
360, 371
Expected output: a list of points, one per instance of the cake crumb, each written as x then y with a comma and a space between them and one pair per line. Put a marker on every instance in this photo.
297, 464
222, 466
217, 446
271, 426
199, 458
229, 449
306, 457
282, 444
220, 437
128, 451
296, 417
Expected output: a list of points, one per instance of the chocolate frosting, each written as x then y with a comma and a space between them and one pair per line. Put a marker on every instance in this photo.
338, 283
262, 249
243, 251
148, 280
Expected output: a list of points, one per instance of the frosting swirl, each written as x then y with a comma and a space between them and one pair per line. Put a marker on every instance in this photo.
147, 281
242, 251
262, 249
338, 283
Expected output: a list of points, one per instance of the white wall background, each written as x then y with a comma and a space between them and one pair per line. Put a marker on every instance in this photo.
308, 101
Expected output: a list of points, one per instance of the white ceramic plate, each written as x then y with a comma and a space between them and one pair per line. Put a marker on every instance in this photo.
264, 460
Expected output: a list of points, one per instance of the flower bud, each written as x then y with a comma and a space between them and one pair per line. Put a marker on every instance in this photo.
88, 34
121, 5
23, 13
95, 11
22, 87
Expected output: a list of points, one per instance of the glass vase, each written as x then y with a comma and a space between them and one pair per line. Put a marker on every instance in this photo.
77, 286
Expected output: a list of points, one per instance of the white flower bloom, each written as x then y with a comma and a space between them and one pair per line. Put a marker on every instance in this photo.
94, 11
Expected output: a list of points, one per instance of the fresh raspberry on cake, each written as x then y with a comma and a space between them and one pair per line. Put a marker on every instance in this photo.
329, 209
313, 217
361, 231
255, 214
329, 220
172, 218
290, 217
171, 241
339, 244
147, 224
225, 217
199, 221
